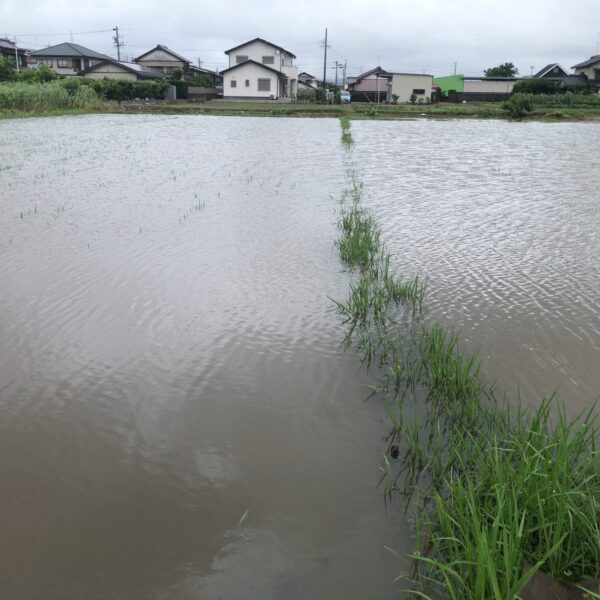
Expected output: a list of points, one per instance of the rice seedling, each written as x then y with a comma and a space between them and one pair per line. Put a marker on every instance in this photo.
346, 135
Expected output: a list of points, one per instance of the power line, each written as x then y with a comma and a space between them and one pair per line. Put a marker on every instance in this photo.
58, 34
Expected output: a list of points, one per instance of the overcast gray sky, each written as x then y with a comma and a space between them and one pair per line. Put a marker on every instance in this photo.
401, 35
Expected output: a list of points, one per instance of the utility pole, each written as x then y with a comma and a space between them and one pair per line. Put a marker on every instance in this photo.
531, 67
325, 60
16, 54
118, 43
455, 64
344, 82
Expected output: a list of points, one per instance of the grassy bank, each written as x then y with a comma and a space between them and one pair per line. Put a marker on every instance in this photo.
474, 110
498, 493
59, 97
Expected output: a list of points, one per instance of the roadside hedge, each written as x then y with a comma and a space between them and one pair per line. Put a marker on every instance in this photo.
117, 89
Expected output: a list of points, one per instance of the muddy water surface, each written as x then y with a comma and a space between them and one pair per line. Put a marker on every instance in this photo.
504, 220
176, 419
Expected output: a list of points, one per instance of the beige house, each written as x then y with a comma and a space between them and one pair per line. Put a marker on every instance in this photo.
112, 69
68, 58
371, 86
404, 85
591, 69
163, 60
260, 70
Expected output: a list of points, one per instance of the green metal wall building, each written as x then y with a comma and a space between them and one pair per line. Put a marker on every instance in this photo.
450, 82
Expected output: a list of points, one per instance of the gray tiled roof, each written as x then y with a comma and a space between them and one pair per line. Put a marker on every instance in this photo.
165, 49
132, 67
10, 45
588, 63
69, 50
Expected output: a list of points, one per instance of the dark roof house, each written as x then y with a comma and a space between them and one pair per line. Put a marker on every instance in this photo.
372, 85
590, 68
594, 60
68, 58
114, 69
163, 60
551, 71
7, 49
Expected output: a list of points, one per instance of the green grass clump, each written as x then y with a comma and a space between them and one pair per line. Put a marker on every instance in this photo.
376, 293
346, 135
359, 242
524, 491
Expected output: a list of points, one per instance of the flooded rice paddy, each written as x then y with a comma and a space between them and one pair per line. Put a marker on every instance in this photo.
177, 419
504, 220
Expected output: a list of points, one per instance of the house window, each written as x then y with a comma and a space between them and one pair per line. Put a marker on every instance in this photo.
233, 83
46, 61
63, 63
268, 60
419, 92
240, 58
264, 85
247, 83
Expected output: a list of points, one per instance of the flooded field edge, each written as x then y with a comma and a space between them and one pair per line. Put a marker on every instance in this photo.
491, 484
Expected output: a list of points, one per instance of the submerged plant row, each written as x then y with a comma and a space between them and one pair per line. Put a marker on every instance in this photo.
499, 493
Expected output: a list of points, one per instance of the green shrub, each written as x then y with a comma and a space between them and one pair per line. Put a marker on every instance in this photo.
72, 84
536, 86
320, 96
42, 74
120, 90
7, 69
518, 106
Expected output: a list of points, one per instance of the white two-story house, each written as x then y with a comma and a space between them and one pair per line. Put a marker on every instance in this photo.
259, 69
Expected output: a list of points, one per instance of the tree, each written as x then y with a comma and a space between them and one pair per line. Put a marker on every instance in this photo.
505, 70
7, 69
176, 75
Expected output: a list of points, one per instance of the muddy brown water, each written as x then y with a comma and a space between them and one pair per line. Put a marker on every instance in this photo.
176, 418
503, 219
